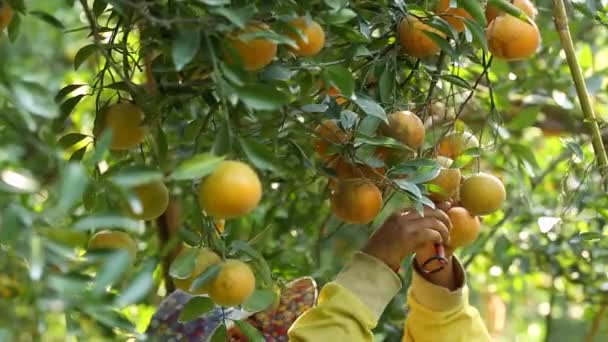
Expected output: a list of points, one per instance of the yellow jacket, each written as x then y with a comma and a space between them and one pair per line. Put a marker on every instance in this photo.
350, 306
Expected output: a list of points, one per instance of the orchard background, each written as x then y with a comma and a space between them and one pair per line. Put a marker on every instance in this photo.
538, 270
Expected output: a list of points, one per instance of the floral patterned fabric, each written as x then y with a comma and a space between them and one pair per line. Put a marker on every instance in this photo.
297, 297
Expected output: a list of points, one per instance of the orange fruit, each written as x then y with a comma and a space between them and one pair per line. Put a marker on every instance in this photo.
346, 170
233, 189
113, 240
329, 132
6, 15
356, 201
413, 39
525, 6
448, 180
333, 92
254, 54
512, 39
454, 16
482, 194
465, 227
125, 120
154, 199
312, 38
406, 127
453, 145
233, 285
204, 259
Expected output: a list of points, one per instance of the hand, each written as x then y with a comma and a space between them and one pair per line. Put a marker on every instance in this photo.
406, 232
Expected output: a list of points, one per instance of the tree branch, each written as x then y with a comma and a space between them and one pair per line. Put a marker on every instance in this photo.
561, 24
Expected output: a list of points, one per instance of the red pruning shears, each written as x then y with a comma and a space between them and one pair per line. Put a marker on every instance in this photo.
439, 257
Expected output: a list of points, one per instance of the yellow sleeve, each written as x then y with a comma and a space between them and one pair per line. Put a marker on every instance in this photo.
438, 314
349, 308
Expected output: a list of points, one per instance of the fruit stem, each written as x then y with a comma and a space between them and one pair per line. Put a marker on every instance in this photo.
561, 24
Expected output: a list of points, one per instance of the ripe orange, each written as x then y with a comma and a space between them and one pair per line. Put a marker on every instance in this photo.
356, 201
454, 16
346, 170
453, 145
113, 240
125, 120
232, 190
448, 180
406, 127
413, 39
329, 132
233, 285
482, 194
333, 92
512, 39
313, 34
465, 227
525, 6
204, 259
254, 54
154, 199
6, 15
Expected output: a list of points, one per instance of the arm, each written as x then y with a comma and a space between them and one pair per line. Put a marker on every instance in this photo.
440, 309
350, 306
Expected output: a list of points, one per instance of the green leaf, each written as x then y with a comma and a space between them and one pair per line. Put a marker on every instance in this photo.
475, 10
115, 265
84, 53
71, 139
49, 19
134, 176
105, 221
182, 266
506, 6
341, 78
386, 85
196, 167
220, 334
477, 32
361, 138
457, 81
196, 307
79, 154
239, 17
73, 184
370, 107
525, 118
208, 275
68, 105
185, 46
261, 156
102, 146
139, 286
248, 330
33, 97
260, 300
99, 6
222, 144
65, 91
409, 187
262, 97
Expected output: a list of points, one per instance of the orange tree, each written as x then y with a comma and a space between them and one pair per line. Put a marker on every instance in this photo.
202, 144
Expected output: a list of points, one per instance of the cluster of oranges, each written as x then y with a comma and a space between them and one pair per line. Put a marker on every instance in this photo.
232, 190
356, 188
508, 37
